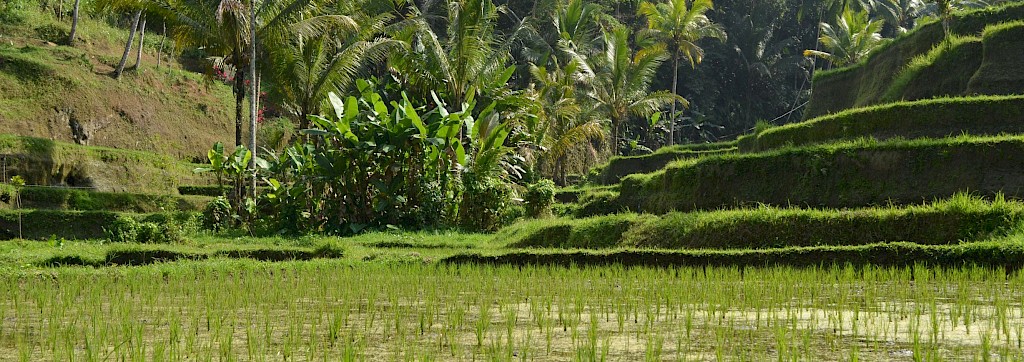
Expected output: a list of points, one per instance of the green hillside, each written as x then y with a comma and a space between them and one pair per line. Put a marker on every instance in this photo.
920, 64
47, 87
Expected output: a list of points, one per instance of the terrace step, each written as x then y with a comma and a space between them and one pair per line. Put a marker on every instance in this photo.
856, 174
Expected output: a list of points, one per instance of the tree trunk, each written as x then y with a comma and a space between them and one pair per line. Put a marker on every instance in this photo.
615, 137
160, 50
672, 109
142, 39
239, 97
74, 23
128, 45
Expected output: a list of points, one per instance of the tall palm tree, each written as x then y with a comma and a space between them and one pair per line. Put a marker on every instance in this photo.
620, 82
457, 61
850, 39
224, 28
563, 129
326, 54
679, 28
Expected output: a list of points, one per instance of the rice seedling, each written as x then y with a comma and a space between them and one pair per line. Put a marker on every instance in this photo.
333, 310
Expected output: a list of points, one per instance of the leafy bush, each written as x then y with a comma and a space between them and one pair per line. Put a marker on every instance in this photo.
374, 163
486, 203
217, 214
53, 33
203, 190
12, 12
539, 198
149, 232
124, 229
275, 134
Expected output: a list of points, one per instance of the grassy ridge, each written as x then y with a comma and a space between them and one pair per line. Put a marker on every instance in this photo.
46, 162
945, 222
986, 254
135, 255
848, 174
622, 166
75, 225
945, 70
1000, 70
72, 199
985, 115
867, 83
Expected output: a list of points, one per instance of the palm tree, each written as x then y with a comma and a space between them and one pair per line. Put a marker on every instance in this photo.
899, 15
467, 59
326, 54
850, 39
620, 82
679, 28
225, 28
137, 7
563, 130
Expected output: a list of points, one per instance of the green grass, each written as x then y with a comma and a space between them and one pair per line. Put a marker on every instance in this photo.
81, 200
999, 72
46, 162
338, 310
942, 117
621, 166
946, 70
78, 225
588, 233
961, 218
45, 83
868, 82
993, 254
845, 174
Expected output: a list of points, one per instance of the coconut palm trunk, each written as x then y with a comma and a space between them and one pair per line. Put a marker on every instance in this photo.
142, 39
672, 108
74, 23
128, 45
160, 49
239, 90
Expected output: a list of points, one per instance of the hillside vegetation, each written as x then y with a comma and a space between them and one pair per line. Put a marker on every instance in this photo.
923, 64
49, 88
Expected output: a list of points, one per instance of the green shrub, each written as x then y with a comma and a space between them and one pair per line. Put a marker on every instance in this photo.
539, 198
149, 232
204, 190
217, 214
53, 33
124, 229
486, 203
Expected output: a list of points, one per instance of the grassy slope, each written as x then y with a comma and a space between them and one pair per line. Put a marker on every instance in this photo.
941, 117
872, 81
43, 85
848, 174
46, 162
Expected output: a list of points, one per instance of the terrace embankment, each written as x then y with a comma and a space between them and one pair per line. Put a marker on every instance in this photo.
873, 80
853, 174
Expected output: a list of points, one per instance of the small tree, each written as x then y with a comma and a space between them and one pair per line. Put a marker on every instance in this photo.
850, 39
18, 183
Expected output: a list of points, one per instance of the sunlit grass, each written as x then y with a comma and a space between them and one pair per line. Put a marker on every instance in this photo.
340, 310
